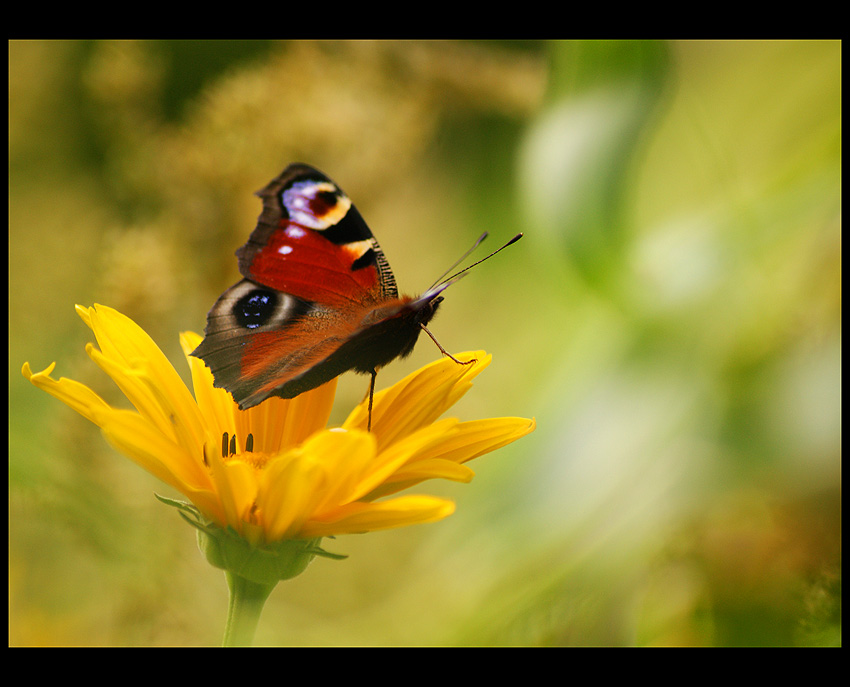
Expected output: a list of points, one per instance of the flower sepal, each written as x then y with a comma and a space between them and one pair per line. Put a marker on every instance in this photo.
264, 565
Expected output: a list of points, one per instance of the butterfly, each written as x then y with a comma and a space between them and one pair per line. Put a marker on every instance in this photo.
318, 298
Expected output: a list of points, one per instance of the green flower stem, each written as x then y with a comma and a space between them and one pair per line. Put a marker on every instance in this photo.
246, 604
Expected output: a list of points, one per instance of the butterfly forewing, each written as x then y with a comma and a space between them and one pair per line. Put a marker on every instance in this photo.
311, 242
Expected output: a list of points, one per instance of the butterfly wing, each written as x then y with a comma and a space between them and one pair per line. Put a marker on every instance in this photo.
318, 298
312, 242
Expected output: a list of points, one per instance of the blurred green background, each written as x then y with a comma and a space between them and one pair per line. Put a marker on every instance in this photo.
672, 319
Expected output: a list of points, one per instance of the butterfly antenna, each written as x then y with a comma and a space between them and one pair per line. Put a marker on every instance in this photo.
457, 262
445, 280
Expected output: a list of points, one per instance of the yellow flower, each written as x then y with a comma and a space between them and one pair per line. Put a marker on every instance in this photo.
275, 472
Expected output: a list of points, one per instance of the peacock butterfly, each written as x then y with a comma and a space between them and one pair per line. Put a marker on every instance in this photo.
318, 297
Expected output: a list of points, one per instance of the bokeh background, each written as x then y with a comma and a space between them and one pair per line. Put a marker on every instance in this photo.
672, 319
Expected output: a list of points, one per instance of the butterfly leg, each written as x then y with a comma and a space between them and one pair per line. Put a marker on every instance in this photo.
371, 394
443, 350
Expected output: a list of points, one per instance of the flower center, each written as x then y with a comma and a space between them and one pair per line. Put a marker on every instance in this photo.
228, 448
230, 451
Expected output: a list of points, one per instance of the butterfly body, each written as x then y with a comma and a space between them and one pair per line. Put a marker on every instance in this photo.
318, 297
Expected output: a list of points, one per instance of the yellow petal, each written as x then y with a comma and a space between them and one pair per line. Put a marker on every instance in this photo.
288, 494
433, 468
73, 394
477, 437
421, 397
125, 348
235, 484
280, 423
344, 456
401, 453
216, 405
366, 517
